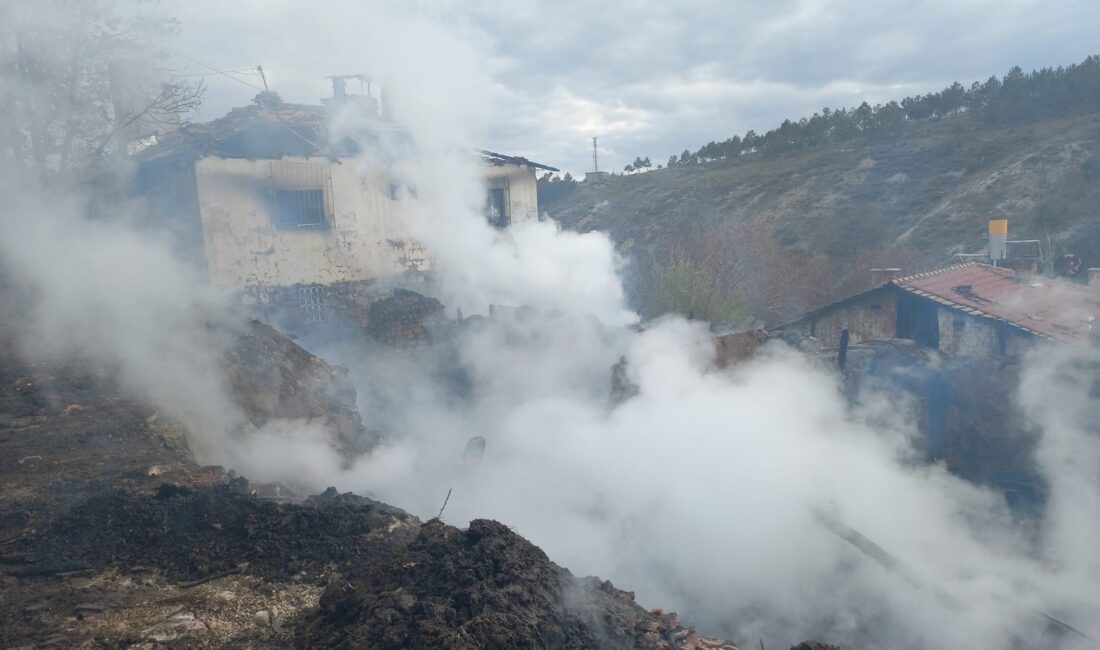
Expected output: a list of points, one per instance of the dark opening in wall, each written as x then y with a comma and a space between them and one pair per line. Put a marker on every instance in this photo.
496, 207
918, 321
497, 203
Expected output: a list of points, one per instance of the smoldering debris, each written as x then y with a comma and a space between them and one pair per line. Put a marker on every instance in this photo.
690, 483
272, 379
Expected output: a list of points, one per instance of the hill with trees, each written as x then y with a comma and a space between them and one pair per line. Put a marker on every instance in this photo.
764, 227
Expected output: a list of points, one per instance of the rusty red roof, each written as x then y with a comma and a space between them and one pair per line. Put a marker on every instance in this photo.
1049, 307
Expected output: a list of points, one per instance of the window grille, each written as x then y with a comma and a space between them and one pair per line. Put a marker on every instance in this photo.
311, 304
301, 194
300, 208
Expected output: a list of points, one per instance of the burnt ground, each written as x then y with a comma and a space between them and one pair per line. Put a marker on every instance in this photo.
112, 536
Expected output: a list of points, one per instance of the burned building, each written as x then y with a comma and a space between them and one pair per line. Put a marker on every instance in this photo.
269, 202
972, 309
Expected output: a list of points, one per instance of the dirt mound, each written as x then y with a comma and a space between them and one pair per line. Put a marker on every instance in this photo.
392, 582
111, 536
191, 533
271, 377
484, 587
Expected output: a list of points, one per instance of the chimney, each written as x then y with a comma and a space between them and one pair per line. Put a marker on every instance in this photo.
1026, 268
1094, 279
998, 239
882, 276
339, 88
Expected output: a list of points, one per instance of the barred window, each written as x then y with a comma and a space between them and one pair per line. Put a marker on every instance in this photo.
301, 195
300, 208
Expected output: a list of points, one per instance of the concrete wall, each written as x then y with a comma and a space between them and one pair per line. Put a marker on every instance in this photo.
523, 202
366, 237
871, 317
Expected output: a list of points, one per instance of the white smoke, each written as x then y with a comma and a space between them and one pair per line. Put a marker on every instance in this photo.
99, 291
700, 492
708, 492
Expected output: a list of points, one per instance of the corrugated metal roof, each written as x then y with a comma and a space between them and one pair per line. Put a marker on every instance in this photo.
1049, 307
504, 159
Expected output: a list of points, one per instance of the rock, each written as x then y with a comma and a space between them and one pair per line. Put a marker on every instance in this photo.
180, 627
226, 596
262, 618
154, 471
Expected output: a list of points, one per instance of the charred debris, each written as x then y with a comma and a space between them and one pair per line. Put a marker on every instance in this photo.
116, 536
121, 538
113, 534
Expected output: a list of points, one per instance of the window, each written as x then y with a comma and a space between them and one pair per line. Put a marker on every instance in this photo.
300, 208
301, 196
496, 204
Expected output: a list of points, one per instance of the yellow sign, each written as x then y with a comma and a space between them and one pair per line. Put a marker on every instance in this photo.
998, 226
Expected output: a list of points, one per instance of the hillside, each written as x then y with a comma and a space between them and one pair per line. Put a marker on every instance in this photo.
825, 213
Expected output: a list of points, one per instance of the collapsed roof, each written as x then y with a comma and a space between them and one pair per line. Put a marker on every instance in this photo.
270, 128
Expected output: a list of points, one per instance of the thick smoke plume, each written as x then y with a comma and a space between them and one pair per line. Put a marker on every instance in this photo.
725, 495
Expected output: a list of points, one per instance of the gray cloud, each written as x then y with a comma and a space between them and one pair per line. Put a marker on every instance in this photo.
652, 78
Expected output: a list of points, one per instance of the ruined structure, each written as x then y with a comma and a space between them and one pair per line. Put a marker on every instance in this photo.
271, 203
971, 309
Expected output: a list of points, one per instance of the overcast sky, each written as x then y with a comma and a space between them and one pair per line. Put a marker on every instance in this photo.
649, 78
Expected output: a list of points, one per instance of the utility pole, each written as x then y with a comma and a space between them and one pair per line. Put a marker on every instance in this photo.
595, 156
263, 77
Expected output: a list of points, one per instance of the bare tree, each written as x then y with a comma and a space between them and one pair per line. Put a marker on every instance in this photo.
81, 80
738, 271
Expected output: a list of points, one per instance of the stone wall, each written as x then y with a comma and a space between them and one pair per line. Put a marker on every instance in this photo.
872, 316
405, 319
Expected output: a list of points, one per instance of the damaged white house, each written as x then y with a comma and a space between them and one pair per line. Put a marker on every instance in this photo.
268, 205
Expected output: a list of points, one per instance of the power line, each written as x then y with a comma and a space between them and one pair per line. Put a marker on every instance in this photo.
221, 72
214, 74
